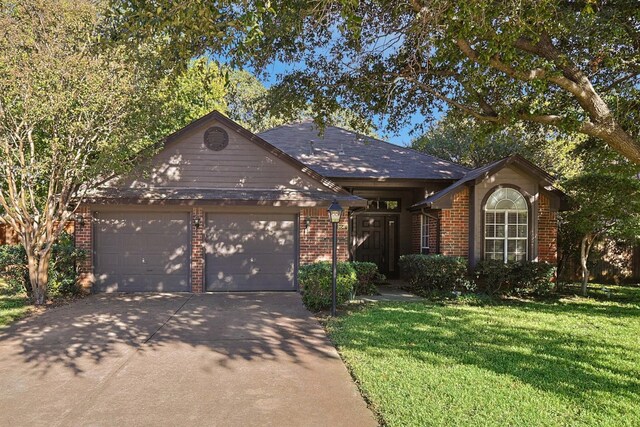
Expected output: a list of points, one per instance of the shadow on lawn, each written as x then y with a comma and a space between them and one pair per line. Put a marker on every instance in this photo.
575, 363
80, 336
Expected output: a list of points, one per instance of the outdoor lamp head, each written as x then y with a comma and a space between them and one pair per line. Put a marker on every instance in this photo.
335, 211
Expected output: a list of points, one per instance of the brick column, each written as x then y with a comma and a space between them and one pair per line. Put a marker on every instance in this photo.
316, 240
547, 231
454, 226
84, 240
197, 251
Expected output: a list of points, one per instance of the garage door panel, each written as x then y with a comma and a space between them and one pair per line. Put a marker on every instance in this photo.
142, 251
250, 252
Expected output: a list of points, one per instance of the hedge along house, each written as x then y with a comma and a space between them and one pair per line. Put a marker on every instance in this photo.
221, 209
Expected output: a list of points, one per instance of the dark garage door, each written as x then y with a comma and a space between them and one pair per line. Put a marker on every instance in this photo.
142, 251
250, 252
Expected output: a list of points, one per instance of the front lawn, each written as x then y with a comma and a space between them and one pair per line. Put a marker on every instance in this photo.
12, 306
569, 362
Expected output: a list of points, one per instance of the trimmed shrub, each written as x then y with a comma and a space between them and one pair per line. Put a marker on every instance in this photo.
493, 277
368, 276
431, 273
315, 282
525, 277
535, 278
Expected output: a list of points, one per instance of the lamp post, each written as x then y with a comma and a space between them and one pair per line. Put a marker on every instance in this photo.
335, 212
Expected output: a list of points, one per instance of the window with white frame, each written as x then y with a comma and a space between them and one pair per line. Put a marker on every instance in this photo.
424, 234
506, 226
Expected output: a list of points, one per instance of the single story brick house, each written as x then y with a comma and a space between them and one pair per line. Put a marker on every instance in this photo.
219, 208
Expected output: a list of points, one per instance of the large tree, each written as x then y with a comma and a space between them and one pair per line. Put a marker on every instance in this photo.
462, 140
71, 114
606, 204
572, 66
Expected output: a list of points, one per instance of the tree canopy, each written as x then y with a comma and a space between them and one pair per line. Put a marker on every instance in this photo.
70, 114
462, 140
570, 66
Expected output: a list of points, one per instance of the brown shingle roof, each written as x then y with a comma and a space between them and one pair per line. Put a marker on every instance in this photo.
340, 153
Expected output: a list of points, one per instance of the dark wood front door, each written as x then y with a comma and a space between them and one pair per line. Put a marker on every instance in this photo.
376, 241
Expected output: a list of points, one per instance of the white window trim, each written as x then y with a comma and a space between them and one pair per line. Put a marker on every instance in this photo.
506, 237
424, 232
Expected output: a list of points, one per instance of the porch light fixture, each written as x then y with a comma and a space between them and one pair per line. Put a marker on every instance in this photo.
335, 212
79, 219
197, 221
307, 223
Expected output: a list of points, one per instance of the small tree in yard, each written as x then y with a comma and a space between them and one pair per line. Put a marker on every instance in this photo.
606, 204
70, 113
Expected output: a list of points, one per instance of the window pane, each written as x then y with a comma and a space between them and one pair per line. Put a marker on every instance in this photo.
499, 217
522, 217
425, 231
490, 231
521, 246
489, 218
513, 230
522, 231
505, 204
513, 217
499, 230
392, 204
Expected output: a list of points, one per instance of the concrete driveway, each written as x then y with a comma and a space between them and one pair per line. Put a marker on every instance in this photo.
222, 359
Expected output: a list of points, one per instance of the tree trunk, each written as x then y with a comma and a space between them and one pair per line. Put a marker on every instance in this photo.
38, 265
584, 256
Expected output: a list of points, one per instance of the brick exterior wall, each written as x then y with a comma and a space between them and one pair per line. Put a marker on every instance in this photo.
197, 251
415, 233
454, 226
547, 231
84, 240
316, 240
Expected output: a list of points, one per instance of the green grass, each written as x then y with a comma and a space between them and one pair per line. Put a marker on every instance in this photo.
566, 362
12, 307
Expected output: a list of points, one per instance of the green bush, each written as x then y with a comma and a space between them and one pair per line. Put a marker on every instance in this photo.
315, 281
432, 273
524, 277
62, 270
62, 267
368, 275
13, 268
493, 277
535, 278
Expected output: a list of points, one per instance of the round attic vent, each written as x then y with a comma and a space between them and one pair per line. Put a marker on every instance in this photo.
216, 138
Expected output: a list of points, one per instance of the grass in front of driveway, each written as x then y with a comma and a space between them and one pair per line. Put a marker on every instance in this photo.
567, 362
12, 306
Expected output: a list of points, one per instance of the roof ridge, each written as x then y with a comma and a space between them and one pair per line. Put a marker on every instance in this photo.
376, 139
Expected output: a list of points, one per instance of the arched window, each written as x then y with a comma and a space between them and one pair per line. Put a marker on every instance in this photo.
506, 226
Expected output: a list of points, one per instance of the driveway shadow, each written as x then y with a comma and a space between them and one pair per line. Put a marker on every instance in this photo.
245, 326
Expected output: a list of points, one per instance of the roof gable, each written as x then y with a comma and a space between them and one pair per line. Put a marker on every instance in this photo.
476, 176
247, 165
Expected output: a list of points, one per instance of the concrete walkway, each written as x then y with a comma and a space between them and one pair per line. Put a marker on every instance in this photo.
168, 360
392, 292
